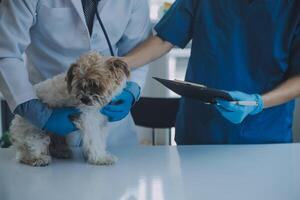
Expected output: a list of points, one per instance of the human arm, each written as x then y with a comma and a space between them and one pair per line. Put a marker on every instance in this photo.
174, 29
53, 120
290, 88
287, 90
138, 29
16, 19
150, 50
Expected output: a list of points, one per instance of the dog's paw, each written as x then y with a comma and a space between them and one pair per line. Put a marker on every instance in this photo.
41, 161
107, 159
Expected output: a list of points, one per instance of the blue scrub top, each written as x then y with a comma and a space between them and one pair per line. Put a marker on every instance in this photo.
246, 45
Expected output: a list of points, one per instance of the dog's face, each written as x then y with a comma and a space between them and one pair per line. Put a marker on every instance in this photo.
94, 80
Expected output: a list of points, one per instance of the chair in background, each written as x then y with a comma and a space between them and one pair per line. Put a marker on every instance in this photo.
6, 116
156, 113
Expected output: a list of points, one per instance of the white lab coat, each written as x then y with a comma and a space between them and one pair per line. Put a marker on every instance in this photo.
53, 33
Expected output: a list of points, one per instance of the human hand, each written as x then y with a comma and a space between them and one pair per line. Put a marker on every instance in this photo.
121, 105
59, 122
53, 120
237, 113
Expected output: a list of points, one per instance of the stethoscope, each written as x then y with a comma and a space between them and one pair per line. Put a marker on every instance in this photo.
103, 29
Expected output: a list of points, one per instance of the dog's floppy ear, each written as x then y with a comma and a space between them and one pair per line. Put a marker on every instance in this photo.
70, 77
118, 63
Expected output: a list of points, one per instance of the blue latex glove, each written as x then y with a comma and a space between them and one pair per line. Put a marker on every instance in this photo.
237, 113
60, 123
52, 120
120, 106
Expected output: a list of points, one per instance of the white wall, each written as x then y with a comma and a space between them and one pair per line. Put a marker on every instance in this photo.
0, 117
154, 89
296, 127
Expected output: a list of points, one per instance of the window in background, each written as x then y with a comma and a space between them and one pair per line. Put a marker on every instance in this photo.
158, 8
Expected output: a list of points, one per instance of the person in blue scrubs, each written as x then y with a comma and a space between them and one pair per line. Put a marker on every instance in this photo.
248, 47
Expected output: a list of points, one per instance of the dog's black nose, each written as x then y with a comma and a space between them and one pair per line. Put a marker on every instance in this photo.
85, 100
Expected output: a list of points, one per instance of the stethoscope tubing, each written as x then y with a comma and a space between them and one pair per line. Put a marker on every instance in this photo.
103, 29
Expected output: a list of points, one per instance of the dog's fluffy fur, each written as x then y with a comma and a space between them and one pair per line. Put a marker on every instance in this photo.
90, 83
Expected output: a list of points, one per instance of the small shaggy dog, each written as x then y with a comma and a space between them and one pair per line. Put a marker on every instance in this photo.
89, 84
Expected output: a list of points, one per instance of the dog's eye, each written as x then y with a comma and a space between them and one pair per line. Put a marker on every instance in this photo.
95, 97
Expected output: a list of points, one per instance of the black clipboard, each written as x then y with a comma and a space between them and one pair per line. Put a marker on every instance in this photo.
195, 91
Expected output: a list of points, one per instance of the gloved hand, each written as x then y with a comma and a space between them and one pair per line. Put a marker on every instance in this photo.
237, 113
120, 106
59, 122
52, 120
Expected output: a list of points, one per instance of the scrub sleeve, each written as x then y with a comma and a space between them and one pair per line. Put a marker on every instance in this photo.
176, 26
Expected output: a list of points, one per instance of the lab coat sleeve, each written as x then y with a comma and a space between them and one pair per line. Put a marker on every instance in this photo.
294, 57
177, 24
16, 19
138, 29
